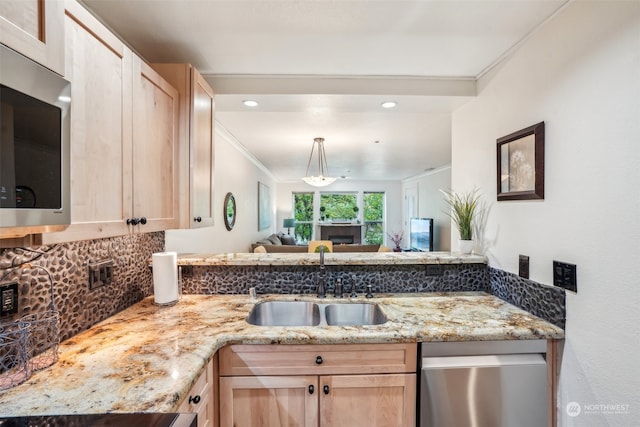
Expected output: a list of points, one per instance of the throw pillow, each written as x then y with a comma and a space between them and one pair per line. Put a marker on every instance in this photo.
275, 240
260, 250
288, 239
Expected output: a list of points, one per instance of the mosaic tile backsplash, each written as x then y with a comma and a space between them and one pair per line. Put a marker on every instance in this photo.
34, 269
547, 302
302, 279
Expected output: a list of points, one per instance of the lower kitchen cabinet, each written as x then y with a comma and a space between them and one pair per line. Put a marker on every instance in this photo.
318, 385
368, 400
201, 398
269, 401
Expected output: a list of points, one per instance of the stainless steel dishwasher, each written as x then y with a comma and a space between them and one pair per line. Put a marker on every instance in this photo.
483, 384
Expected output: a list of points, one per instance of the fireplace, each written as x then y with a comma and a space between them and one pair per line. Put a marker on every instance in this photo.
341, 240
342, 234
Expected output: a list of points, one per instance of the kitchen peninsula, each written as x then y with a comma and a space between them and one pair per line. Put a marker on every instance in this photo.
146, 358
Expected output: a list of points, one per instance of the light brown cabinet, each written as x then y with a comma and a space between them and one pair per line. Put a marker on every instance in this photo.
155, 150
35, 29
311, 385
196, 143
200, 399
123, 136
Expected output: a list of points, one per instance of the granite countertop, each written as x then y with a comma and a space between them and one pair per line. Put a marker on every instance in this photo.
146, 358
340, 258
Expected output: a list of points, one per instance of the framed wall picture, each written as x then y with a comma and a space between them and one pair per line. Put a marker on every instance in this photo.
521, 164
264, 206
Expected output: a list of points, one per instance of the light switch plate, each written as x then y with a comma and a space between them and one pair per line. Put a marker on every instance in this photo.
523, 266
434, 270
9, 299
100, 273
564, 275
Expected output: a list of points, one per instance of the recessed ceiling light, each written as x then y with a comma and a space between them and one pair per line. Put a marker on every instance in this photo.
376, 142
250, 103
389, 104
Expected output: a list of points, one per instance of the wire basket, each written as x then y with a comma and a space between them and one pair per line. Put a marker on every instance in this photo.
43, 339
29, 343
14, 368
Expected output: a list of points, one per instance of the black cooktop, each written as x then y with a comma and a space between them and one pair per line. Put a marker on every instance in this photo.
97, 420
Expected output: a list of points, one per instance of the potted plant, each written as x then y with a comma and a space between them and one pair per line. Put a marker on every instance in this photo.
463, 209
396, 238
322, 214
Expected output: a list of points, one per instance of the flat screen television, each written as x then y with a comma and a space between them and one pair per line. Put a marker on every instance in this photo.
421, 234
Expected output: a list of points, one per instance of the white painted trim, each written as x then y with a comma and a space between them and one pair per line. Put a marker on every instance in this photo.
341, 85
522, 41
427, 173
235, 143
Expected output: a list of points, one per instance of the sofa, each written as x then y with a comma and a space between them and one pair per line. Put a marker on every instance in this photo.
284, 243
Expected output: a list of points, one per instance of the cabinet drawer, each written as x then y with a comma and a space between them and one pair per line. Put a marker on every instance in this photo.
317, 359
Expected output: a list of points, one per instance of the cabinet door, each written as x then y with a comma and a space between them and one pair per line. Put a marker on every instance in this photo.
35, 28
200, 398
196, 143
202, 145
269, 401
100, 70
385, 400
154, 159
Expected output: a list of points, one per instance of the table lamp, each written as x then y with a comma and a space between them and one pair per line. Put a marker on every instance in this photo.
288, 223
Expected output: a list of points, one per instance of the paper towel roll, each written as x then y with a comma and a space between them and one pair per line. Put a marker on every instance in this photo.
165, 278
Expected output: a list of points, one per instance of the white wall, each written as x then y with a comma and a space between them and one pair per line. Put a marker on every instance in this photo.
580, 73
431, 203
237, 172
392, 190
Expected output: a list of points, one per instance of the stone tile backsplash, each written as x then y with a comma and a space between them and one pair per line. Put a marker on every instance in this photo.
302, 279
34, 269
547, 302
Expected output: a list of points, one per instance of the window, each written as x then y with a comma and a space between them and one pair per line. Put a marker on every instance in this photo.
338, 206
373, 215
303, 213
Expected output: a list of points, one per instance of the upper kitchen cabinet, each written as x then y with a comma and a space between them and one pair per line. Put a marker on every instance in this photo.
196, 143
155, 149
123, 136
35, 28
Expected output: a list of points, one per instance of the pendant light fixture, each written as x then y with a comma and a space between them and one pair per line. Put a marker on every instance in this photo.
319, 180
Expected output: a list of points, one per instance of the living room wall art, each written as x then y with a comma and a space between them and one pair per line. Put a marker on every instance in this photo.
264, 206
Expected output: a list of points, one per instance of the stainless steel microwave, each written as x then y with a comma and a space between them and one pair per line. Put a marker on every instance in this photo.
34, 145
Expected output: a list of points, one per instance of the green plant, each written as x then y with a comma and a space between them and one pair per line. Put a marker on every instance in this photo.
463, 208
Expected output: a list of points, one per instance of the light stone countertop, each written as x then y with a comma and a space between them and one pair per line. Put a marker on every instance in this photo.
339, 258
146, 358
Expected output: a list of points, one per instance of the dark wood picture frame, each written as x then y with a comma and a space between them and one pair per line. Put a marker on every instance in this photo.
520, 167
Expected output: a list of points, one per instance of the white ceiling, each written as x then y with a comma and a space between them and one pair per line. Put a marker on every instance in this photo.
321, 68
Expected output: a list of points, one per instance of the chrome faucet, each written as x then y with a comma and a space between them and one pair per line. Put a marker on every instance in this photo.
321, 283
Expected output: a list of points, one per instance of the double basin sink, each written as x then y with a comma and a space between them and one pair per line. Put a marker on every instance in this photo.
304, 313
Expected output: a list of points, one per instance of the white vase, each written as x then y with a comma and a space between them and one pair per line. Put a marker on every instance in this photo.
465, 246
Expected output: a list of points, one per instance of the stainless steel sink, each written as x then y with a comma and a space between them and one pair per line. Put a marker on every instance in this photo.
303, 313
354, 314
285, 313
